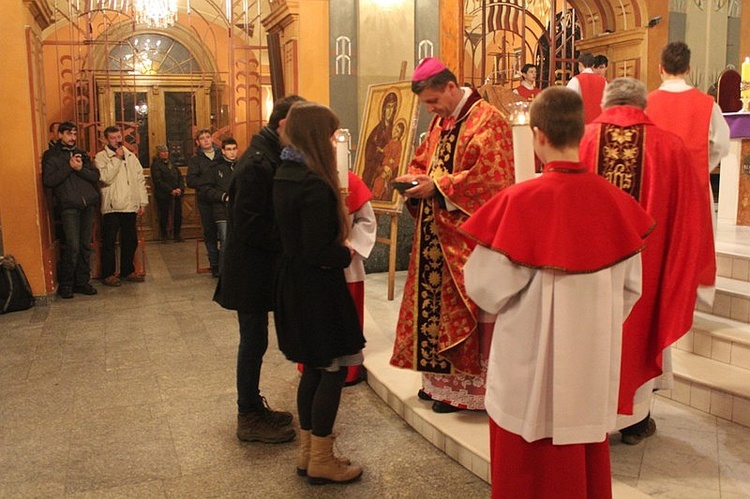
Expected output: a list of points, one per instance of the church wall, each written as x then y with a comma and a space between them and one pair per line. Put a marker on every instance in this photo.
22, 143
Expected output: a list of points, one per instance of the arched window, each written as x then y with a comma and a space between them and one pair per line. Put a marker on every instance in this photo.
152, 54
343, 55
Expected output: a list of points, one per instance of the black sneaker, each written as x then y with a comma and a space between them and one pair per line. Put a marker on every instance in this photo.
84, 289
65, 292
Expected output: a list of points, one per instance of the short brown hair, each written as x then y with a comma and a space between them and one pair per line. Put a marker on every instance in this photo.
558, 112
202, 131
675, 58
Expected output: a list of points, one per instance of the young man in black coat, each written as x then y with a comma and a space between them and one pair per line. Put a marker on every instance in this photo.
73, 178
246, 282
197, 165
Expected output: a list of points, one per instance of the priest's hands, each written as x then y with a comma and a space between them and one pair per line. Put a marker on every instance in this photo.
423, 190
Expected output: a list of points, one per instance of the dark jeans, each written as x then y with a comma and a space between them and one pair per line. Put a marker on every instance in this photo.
164, 205
75, 264
125, 224
210, 235
253, 345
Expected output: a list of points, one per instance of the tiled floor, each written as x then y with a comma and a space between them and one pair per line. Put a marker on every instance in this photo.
130, 393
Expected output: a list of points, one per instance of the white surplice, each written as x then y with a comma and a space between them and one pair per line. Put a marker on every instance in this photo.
554, 366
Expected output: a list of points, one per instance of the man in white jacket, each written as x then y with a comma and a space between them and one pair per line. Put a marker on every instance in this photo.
124, 198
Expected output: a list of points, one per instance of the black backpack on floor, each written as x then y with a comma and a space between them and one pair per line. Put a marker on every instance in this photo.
15, 292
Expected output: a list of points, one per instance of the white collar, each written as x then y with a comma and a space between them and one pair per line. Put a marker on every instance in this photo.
466, 93
675, 85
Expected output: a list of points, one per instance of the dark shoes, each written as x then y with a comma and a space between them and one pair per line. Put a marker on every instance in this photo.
443, 408
636, 438
65, 292
423, 395
84, 289
262, 426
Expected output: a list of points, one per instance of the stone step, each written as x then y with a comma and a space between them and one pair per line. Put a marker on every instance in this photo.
732, 300
733, 265
711, 386
718, 338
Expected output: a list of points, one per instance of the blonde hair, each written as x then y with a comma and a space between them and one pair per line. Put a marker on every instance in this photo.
309, 128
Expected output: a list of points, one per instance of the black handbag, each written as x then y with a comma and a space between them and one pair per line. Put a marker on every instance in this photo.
15, 292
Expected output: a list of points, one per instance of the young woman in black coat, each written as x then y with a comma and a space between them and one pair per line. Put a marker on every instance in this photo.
316, 320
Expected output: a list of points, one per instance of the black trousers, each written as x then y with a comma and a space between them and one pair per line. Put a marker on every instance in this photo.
125, 225
164, 205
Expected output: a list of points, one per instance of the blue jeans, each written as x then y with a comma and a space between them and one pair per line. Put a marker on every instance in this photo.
210, 237
74, 267
253, 345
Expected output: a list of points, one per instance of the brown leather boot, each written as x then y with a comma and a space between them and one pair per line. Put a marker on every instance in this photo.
254, 427
324, 467
303, 458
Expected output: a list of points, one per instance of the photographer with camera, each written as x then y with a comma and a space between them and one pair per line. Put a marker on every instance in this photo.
68, 171
124, 199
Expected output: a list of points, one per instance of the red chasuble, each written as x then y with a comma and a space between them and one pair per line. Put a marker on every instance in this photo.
469, 163
626, 148
527, 93
688, 114
592, 91
568, 239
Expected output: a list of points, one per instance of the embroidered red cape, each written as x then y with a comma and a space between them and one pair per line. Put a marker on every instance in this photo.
624, 146
437, 327
537, 224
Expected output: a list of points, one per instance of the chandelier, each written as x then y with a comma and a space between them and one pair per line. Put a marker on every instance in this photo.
155, 13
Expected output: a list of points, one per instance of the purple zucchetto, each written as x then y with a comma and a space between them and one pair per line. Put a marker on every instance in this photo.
428, 68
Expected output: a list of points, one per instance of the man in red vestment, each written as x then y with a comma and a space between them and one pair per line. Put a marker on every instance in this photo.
558, 261
527, 89
465, 160
697, 120
625, 147
590, 85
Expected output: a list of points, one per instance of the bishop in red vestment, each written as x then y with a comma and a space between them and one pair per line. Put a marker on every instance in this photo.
465, 159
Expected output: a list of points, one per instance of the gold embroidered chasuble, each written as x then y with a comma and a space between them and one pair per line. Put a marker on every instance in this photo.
469, 163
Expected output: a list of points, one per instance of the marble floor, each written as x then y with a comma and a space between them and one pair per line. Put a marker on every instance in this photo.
130, 393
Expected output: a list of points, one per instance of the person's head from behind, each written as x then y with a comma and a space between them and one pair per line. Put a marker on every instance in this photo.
675, 58
585, 60
68, 133
436, 87
53, 130
229, 149
557, 121
280, 110
600, 65
529, 72
310, 128
204, 139
625, 92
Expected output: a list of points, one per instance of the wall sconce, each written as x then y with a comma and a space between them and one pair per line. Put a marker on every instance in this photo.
343, 140
654, 21
141, 108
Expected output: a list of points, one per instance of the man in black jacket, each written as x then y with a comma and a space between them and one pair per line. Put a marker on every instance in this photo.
169, 187
246, 282
213, 188
198, 164
73, 178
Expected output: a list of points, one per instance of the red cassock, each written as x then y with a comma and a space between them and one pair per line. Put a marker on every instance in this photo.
527, 93
592, 91
626, 148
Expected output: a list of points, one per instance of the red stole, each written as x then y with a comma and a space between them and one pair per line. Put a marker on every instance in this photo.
624, 146
592, 91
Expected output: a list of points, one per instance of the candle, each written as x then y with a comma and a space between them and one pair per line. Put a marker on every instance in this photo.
746, 77
342, 163
523, 153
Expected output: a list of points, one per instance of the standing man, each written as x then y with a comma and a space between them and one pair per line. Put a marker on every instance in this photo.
169, 187
589, 85
213, 189
465, 160
68, 171
527, 88
198, 164
124, 199
600, 65
649, 163
53, 134
246, 285
697, 120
